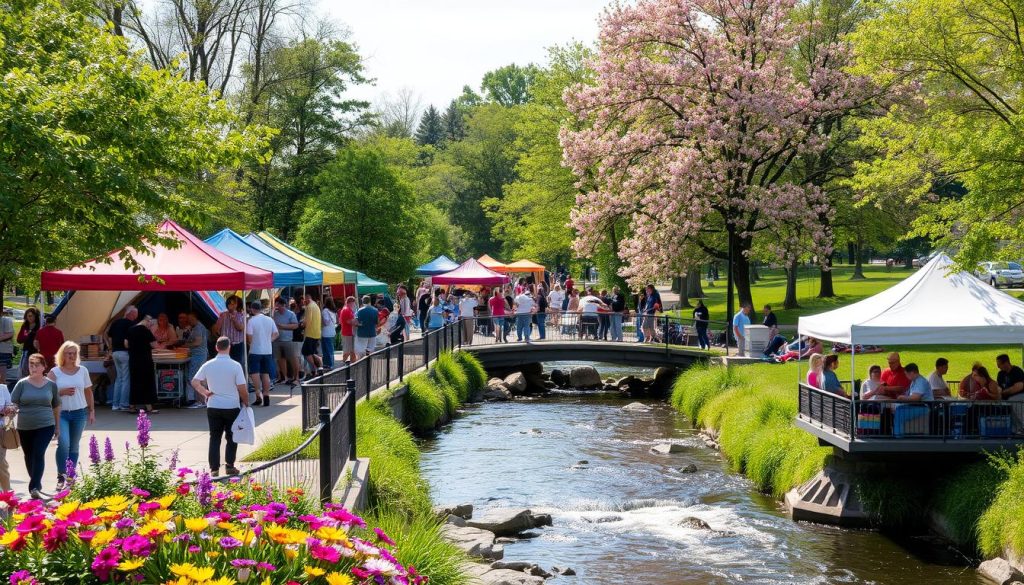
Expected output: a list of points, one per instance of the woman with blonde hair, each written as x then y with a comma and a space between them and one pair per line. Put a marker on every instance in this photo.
816, 371
76, 406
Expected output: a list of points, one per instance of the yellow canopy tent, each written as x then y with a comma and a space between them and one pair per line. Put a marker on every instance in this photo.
525, 266
332, 274
492, 264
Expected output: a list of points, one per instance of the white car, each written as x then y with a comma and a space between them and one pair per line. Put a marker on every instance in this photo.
1001, 273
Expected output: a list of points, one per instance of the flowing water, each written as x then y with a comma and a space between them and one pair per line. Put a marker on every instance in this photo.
617, 516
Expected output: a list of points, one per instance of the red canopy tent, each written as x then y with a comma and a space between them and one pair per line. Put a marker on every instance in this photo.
470, 272
194, 265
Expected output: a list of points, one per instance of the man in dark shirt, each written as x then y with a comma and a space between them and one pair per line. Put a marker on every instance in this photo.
770, 321
701, 318
119, 353
1010, 378
618, 305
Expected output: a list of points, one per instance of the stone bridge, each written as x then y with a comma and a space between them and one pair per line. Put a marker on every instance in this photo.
509, 355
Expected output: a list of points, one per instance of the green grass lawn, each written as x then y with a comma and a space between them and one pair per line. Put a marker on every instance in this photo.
771, 290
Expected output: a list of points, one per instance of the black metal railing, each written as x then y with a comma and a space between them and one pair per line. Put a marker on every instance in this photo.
944, 420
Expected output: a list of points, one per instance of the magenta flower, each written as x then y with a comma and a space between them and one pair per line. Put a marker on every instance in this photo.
140, 493
192, 550
266, 567
239, 563
94, 450
383, 537
32, 523
55, 537
143, 425
105, 562
137, 546
23, 577
324, 553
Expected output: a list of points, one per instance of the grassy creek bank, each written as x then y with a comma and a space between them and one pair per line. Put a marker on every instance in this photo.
398, 495
751, 409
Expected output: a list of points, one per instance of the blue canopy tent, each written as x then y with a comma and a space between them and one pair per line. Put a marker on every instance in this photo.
232, 244
311, 276
438, 265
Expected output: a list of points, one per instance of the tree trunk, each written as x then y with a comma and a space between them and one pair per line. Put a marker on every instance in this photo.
741, 270
827, 291
792, 272
858, 263
754, 274
909, 262
851, 251
677, 285
693, 288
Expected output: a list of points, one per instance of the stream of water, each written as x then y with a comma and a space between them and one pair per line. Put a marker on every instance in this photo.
617, 516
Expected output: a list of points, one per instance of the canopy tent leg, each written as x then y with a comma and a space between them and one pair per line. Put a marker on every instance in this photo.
853, 388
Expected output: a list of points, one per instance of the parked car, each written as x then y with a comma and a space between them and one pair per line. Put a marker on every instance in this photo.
1001, 273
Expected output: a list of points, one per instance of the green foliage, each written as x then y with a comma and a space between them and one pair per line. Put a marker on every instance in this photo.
137, 468
281, 443
97, 145
697, 385
509, 85
449, 371
422, 546
425, 404
431, 128
1000, 527
395, 483
894, 502
964, 497
358, 193
475, 373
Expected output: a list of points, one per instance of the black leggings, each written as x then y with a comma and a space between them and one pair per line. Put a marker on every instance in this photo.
34, 443
220, 420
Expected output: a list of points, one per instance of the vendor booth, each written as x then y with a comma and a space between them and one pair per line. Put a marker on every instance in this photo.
369, 286
342, 282
526, 267
192, 266
471, 272
232, 244
492, 264
438, 265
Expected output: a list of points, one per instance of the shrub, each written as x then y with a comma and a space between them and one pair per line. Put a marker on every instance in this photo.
476, 375
422, 546
961, 499
700, 383
1000, 527
424, 404
451, 396
894, 502
394, 482
448, 371
281, 443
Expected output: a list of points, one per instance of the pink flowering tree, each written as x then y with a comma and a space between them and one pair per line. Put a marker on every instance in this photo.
699, 112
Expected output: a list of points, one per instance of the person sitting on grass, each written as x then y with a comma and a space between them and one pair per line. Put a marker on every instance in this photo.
831, 380
939, 386
815, 372
802, 349
919, 389
869, 389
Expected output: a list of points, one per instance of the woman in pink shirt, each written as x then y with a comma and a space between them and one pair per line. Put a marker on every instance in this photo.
497, 306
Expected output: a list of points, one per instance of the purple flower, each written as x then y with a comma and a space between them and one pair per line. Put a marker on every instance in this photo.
140, 493
69, 472
229, 542
239, 563
94, 450
192, 550
143, 425
125, 523
174, 460
266, 567
23, 577
108, 450
383, 537
137, 546
204, 489
105, 562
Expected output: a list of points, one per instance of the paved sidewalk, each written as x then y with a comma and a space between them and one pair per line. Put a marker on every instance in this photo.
183, 429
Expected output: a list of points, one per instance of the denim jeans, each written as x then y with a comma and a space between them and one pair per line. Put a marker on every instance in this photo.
616, 322
541, 322
33, 445
702, 338
220, 420
122, 382
72, 425
522, 327
196, 358
639, 327
327, 346
603, 326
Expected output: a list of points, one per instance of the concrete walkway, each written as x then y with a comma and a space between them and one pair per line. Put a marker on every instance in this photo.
183, 429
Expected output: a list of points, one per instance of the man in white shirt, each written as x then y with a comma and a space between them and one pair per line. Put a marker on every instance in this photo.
524, 313
466, 306
221, 382
260, 333
939, 386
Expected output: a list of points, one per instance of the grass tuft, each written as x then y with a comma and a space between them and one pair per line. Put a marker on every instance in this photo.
421, 545
394, 483
425, 404
449, 372
476, 375
1000, 527
281, 443
962, 499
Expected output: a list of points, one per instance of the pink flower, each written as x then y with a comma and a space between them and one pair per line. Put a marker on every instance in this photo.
383, 537
327, 554
137, 546
23, 577
55, 537
105, 562
184, 489
140, 493
32, 523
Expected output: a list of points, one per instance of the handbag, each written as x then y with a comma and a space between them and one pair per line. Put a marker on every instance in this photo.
9, 437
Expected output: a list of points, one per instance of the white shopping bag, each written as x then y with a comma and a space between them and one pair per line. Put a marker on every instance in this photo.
243, 430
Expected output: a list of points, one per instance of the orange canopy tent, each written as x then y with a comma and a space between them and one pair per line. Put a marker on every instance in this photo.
492, 264
527, 267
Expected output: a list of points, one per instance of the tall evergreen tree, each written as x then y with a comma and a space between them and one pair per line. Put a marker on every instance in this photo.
454, 122
431, 129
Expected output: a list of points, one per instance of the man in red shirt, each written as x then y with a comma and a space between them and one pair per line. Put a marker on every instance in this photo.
48, 341
569, 282
894, 380
346, 318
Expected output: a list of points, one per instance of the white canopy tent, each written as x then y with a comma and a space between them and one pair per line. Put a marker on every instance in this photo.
933, 306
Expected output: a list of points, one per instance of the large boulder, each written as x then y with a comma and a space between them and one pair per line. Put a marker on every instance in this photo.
516, 383
664, 378
666, 448
475, 542
694, 522
535, 382
532, 368
1000, 571
584, 377
496, 391
464, 511
637, 406
559, 377
510, 522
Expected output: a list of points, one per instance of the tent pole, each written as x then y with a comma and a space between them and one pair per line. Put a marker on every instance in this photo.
853, 387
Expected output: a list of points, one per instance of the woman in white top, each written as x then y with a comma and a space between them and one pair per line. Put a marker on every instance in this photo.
555, 299
328, 331
869, 388
76, 405
7, 408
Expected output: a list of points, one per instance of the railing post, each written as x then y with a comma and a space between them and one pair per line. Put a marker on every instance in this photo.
326, 487
369, 374
350, 411
387, 366
426, 347
401, 361
461, 329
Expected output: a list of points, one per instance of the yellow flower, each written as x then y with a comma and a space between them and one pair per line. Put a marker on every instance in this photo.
197, 524
212, 554
64, 509
314, 571
338, 579
290, 554
225, 525
128, 566
162, 515
9, 537
116, 503
201, 573
178, 581
330, 534
282, 535
183, 569
166, 501
103, 537
152, 529
222, 581
245, 536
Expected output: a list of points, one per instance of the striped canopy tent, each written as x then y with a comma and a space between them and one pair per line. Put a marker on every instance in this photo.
311, 275
526, 267
492, 264
369, 286
232, 244
331, 274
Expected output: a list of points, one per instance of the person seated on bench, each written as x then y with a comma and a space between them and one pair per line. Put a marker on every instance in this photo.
869, 388
815, 372
981, 386
1010, 379
919, 389
831, 380
939, 386
894, 379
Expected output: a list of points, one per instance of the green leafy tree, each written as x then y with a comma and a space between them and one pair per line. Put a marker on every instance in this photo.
454, 122
97, 145
431, 128
510, 85
362, 216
